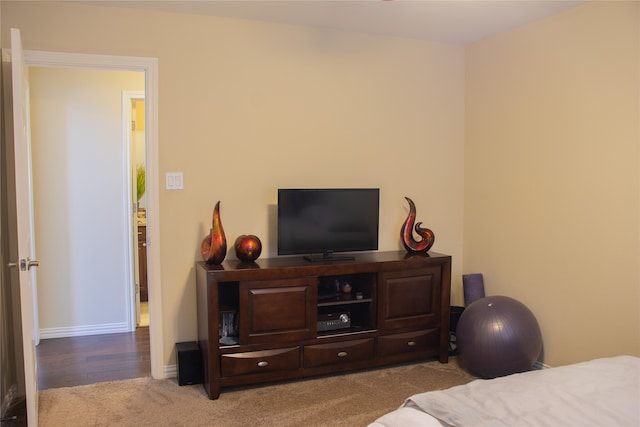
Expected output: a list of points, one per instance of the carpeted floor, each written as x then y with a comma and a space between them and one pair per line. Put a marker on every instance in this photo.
353, 399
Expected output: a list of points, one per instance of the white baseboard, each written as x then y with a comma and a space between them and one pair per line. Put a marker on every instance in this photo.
79, 331
170, 371
539, 365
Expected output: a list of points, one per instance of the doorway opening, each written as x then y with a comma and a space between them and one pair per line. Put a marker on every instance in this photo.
148, 66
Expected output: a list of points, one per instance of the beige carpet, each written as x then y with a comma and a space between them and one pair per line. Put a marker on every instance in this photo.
353, 399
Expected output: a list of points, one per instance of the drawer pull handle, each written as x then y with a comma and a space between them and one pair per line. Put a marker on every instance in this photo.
263, 364
411, 343
342, 354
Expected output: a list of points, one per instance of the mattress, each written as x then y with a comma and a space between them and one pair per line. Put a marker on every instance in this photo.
600, 392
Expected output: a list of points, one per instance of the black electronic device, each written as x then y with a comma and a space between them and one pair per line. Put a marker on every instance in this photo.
329, 296
327, 220
189, 363
333, 321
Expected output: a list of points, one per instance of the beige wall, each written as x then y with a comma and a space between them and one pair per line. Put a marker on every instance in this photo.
551, 176
549, 140
248, 107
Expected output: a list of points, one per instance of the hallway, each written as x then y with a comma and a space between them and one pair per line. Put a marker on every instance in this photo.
72, 361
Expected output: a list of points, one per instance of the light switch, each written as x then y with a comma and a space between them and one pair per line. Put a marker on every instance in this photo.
174, 181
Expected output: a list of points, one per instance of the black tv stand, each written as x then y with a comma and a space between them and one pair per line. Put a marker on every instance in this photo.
328, 257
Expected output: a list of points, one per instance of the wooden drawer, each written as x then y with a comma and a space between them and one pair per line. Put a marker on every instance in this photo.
338, 352
257, 362
408, 342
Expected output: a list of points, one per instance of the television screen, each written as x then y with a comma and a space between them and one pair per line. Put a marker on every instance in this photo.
327, 220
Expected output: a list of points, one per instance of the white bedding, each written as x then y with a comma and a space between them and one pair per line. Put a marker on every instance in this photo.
601, 392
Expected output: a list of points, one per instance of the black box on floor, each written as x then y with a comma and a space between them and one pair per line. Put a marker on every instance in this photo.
188, 363
454, 316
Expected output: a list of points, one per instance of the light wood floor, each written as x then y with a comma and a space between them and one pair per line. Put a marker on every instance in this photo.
66, 362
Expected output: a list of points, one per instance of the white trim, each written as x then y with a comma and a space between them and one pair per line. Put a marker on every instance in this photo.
152, 194
132, 300
128, 197
171, 371
150, 67
80, 331
87, 61
539, 365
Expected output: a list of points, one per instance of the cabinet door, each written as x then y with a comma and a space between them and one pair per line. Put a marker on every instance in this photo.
409, 298
278, 310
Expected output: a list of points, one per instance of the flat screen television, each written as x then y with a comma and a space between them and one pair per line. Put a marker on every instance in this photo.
318, 222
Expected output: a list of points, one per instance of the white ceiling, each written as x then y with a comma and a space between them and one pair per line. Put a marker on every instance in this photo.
446, 21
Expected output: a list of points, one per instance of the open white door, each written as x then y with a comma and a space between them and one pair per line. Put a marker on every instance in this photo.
24, 211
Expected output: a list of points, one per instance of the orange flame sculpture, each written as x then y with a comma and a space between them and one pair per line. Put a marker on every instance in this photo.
214, 246
410, 244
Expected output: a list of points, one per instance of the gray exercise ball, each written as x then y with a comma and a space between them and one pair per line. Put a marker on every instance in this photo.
498, 336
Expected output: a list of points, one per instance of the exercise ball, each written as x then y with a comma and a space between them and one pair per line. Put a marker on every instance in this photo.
498, 336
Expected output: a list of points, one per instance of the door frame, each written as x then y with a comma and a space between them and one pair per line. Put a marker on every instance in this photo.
150, 68
133, 296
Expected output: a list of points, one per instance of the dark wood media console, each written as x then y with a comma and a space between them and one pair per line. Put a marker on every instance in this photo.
283, 318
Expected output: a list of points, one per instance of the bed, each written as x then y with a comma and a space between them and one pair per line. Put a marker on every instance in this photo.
600, 392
